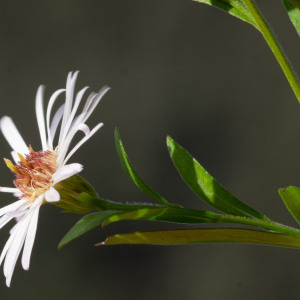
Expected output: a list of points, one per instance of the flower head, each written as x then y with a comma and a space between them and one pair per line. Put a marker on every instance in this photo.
37, 173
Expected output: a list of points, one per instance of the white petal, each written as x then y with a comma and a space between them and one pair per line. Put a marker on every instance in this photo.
71, 80
78, 124
84, 128
49, 108
74, 109
66, 172
15, 156
16, 192
55, 121
16, 213
82, 141
15, 249
52, 195
4, 220
12, 135
30, 239
8, 189
39, 110
63, 146
101, 93
11, 207
89, 102
5, 249
16, 226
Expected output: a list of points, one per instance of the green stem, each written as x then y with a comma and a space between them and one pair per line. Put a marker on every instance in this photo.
273, 226
112, 205
275, 47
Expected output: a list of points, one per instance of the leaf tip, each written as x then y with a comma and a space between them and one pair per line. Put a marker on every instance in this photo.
168, 139
117, 130
103, 243
170, 144
61, 244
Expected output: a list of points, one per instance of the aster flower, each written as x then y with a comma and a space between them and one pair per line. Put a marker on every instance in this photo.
37, 173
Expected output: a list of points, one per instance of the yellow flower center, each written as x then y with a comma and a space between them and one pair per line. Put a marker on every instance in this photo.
34, 173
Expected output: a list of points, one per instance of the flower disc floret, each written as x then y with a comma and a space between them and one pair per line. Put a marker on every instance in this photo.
34, 173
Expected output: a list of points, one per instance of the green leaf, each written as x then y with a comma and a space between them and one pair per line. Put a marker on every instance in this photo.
293, 10
167, 214
85, 224
291, 198
196, 236
133, 174
234, 7
205, 186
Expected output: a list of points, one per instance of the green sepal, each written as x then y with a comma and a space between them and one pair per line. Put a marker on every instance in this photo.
293, 9
234, 7
205, 186
203, 236
133, 174
291, 199
76, 195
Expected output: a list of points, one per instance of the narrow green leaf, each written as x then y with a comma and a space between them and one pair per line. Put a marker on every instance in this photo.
293, 9
133, 174
234, 7
291, 199
167, 214
196, 236
85, 224
205, 186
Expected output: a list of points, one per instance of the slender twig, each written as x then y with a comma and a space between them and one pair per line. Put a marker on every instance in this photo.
270, 38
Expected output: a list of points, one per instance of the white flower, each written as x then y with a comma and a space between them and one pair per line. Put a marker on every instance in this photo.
38, 172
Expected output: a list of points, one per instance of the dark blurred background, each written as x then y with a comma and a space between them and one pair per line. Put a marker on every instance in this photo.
175, 67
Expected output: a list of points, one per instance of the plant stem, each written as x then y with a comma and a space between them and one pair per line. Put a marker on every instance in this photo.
275, 47
273, 226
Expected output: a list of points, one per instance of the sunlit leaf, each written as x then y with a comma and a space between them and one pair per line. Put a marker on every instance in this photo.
167, 214
196, 236
205, 186
293, 9
234, 7
291, 198
133, 174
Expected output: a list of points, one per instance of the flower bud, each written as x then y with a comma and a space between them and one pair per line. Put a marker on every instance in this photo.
76, 195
